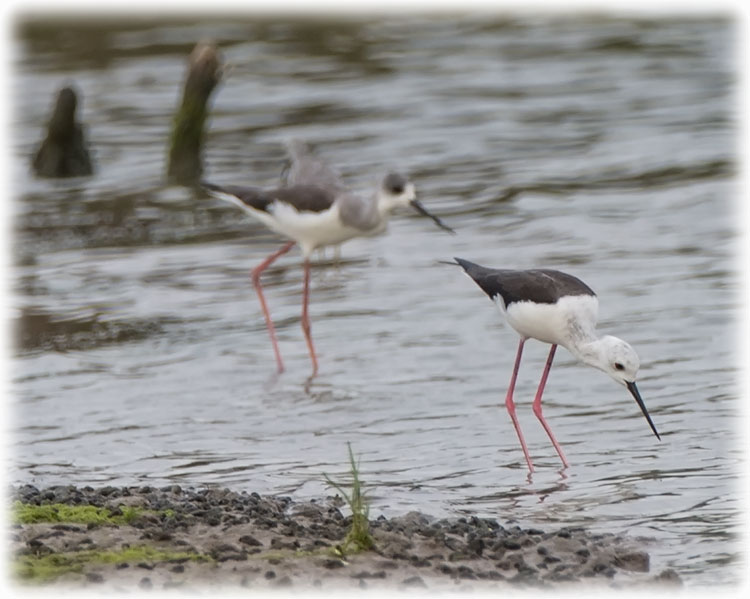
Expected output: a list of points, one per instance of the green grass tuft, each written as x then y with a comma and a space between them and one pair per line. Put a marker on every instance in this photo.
26, 513
359, 533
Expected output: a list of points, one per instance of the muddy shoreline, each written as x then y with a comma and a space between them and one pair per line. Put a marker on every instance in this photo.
175, 537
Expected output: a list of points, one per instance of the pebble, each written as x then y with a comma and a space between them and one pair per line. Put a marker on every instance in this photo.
635, 561
414, 581
250, 540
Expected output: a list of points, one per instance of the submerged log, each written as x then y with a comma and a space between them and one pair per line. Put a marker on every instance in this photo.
64, 151
186, 142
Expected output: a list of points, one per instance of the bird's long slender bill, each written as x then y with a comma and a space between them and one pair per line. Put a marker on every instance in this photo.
423, 211
634, 390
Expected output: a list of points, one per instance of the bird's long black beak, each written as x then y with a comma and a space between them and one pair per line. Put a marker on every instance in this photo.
634, 390
423, 211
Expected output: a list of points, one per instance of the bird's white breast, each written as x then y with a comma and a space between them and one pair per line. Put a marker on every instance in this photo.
311, 229
572, 316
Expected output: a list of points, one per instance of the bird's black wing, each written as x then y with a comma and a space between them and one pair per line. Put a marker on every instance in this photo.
304, 198
542, 286
307, 169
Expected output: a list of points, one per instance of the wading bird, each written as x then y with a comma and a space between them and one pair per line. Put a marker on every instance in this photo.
315, 209
557, 308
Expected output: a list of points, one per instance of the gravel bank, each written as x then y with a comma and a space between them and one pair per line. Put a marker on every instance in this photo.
222, 538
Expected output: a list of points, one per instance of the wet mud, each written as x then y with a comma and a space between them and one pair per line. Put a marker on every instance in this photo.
175, 537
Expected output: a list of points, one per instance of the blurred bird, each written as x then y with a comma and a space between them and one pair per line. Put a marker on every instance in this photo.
315, 210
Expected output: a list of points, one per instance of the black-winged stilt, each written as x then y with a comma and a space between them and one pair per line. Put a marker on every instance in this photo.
315, 210
557, 308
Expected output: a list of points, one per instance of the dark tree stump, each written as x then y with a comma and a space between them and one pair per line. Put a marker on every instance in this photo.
64, 151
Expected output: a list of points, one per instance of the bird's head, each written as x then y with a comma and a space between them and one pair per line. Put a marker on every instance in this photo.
619, 360
396, 190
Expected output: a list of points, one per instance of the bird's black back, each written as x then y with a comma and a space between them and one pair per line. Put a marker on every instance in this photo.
541, 286
305, 198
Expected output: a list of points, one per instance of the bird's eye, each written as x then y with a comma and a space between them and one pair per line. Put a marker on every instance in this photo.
619, 366
395, 183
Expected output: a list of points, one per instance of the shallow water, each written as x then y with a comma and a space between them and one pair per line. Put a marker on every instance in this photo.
600, 146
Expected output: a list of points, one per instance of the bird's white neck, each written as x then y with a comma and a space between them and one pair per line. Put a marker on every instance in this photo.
385, 204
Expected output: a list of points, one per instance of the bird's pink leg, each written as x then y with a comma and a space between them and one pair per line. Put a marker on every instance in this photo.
306, 318
259, 290
537, 406
511, 407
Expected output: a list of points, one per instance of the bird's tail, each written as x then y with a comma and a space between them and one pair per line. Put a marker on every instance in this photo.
481, 275
244, 197
211, 187
449, 262
470, 268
